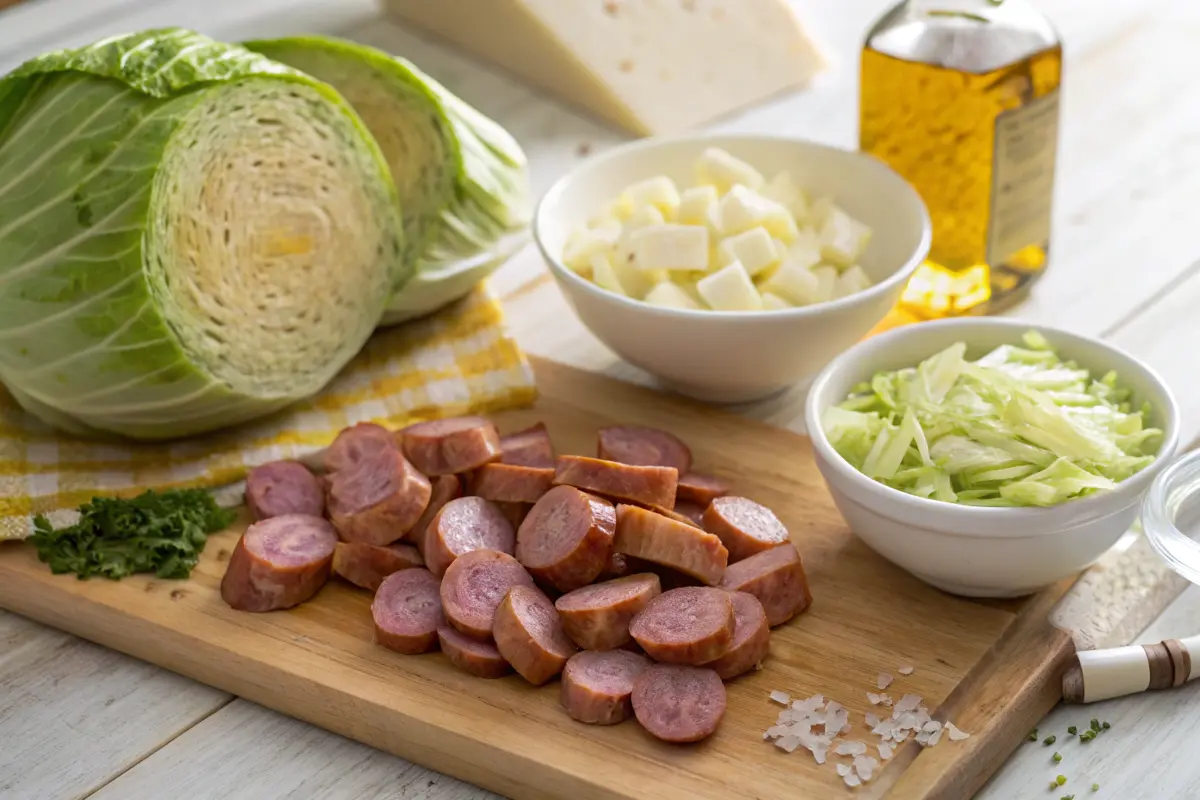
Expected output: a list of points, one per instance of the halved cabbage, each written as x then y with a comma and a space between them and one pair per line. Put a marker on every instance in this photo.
462, 179
191, 235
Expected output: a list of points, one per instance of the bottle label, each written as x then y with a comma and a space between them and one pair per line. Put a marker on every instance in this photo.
1023, 177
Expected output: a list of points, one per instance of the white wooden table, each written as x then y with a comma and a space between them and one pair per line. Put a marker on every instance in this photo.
77, 720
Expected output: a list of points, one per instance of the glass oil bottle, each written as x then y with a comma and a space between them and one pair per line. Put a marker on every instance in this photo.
961, 97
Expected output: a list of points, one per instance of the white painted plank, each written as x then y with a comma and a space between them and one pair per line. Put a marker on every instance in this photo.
74, 715
247, 752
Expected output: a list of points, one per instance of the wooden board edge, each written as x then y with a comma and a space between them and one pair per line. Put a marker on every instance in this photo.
997, 709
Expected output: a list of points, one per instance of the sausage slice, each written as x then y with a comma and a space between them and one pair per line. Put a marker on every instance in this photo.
473, 587
677, 703
646, 447
530, 635
596, 687
744, 526
693, 511
446, 446
528, 448
648, 486
644, 534
690, 625
676, 515
700, 489
407, 611
445, 489
506, 483
366, 565
283, 487
481, 659
567, 538
355, 444
776, 577
379, 500
751, 638
597, 617
278, 563
463, 525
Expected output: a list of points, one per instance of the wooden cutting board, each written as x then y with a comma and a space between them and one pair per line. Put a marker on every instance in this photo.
991, 668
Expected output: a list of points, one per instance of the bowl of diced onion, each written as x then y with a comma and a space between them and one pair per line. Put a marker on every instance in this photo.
731, 267
989, 457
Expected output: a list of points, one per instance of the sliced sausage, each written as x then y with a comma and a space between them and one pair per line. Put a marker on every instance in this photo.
693, 511
366, 565
677, 703
408, 611
356, 443
644, 534
690, 625
751, 638
447, 446
648, 486
567, 538
481, 659
530, 635
646, 447
445, 489
379, 500
776, 577
506, 483
463, 525
528, 448
473, 587
597, 617
744, 526
617, 566
515, 513
676, 515
596, 687
283, 487
700, 489
278, 563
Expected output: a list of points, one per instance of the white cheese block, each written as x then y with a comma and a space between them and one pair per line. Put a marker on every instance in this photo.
742, 209
697, 205
754, 248
670, 247
644, 217
670, 295
583, 244
795, 284
659, 192
649, 67
605, 275
843, 238
850, 281
719, 169
826, 282
785, 191
730, 289
773, 302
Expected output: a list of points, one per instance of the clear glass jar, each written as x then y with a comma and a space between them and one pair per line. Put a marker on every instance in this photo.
1171, 516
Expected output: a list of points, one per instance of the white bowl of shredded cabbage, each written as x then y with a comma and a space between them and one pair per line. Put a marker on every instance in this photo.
989, 457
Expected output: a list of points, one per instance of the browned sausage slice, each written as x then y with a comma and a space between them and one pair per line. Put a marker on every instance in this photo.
597, 617
693, 511
283, 487
463, 525
567, 537
407, 611
649, 486
506, 483
528, 448
445, 489
596, 687
481, 659
278, 563
676, 515
473, 587
366, 565
751, 638
776, 577
357, 443
700, 489
679, 704
652, 537
530, 635
645, 447
446, 446
744, 526
690, 625
617, 566
378, 501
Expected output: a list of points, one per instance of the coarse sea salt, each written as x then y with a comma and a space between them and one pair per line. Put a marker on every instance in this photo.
865, 765
883, 681
955, 734
781, 697
871, 719
905, 670
879, 699
885, 751
843, 770
851, 748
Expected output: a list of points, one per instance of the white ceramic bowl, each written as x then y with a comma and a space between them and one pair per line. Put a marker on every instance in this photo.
738, 356
975, 551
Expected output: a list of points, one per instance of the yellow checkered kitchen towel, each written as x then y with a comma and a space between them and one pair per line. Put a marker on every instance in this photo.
458, 361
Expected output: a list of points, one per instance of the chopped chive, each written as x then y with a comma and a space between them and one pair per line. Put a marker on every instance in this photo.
1105, 725
1057, 757
1095, 787
1068, 797
1053, 785
1032, 735
1049, 740
1087, 736
1095, 725
1060, 780
1072, 730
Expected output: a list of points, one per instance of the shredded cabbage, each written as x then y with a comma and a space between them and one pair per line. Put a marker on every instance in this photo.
1018, 427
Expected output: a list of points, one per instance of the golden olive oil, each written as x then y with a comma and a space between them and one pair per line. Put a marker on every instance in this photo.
963, 103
